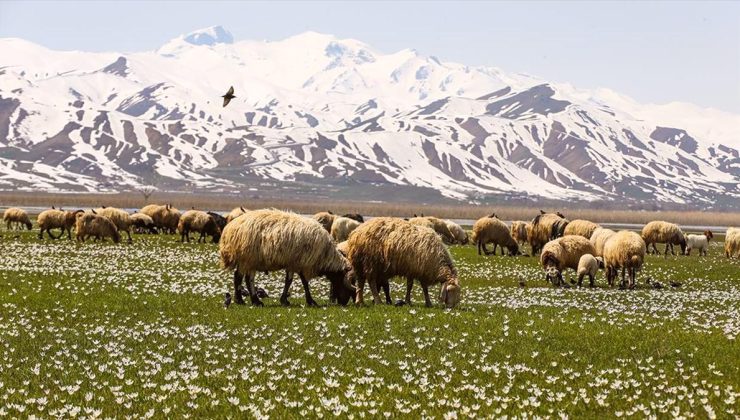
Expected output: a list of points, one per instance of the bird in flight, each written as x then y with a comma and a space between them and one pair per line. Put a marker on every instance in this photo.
229, 96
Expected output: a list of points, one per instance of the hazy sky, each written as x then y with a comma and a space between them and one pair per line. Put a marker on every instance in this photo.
655, 52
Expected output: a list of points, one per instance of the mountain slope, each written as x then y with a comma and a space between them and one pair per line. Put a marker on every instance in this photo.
321, 111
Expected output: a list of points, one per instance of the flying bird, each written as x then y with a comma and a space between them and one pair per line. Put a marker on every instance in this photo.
229, 96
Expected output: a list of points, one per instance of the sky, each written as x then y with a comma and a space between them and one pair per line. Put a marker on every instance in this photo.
655, 52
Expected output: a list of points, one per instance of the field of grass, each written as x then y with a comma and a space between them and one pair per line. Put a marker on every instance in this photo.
104, 330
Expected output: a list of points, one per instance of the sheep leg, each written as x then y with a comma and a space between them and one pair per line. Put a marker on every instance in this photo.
387, 290
359, 290
250, 287
427, 300
485, 250
479, 244
590, 280
374, 290
286, 289
41, 234
494, 248
580, 279
238, 299
309, 299
409, 286
129, 236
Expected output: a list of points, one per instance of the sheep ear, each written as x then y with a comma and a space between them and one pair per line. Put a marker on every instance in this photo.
93, 211
242, 209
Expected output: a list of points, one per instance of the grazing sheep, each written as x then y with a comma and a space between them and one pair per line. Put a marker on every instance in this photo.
101, 227
492, 230
437, 225
143, 223
220, 220
625, 250
165, 217
545, 227
200, 222
342, 227
589, 265
461, 237
53, 219
326, 218
599, 238
581, 227
271, 240
700, 242
343, 247
119, 217
386, 247
233, 214
562, 253
17, 217
519, 231
355, 216
663, 232
732, 242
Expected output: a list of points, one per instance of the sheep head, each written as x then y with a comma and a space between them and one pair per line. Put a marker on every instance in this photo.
514, 250
450, 293
708, 234
341, 285
600, 261
29, 226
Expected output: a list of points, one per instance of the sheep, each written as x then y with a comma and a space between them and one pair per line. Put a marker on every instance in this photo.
700, 242
437, 225
165, 217
342, 227
119, 217
386, 247
545, 227
198, 221
599, 238
589, 265
625, 250
461, 237
17, 217
53, 219
355, 216
143, 223
91, 224
220, 220
492, 230
663, 232
732, 242
233, 214
343, 247
519, 231
562, 253
581, 227
270, 240
326, 218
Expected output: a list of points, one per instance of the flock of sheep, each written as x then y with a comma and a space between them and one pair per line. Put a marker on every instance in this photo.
350, 252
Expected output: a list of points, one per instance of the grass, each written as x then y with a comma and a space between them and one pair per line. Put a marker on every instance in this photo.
140, 330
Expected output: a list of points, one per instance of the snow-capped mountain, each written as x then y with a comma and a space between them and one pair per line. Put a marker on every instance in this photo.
318, 111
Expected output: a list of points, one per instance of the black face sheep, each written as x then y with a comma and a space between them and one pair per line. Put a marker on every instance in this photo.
699, 242
17, 217
326, 218
355, 216
386, 247
581, 227
272, 240
342, 227
101, 227
562, 253
491, 230
625, 250
119, 217
143, 223
589, 265
663, 232
199, 222
599, 238
220, 220
56, 219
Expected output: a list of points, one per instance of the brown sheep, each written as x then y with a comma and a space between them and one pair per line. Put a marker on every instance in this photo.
663, 232
492, 230
386, 247
119, 217
101, 227
17, 217
165, 217
562, 253
544, 228
581, 227
200, 222
437, 225
326, 218
343, 247
519, 231
56, 219
342, 227
625, 250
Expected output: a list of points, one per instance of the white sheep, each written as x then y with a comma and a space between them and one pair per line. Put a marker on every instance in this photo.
589, 265
699, 242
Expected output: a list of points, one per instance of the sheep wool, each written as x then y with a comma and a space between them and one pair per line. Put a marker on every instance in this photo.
236, 212
342, 227
544, 227
581, 227
461, 237
625, 250
519, 231
437, 225
492, 230
325, 218
732, 242
599, 238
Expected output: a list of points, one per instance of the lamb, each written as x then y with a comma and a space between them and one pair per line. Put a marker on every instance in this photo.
437, 225
562, 253
355, 216
326, 218
53, 219
386, 247
271, 240
544, 228
233, 214
165, 217
342, 227
700, 242
461, 237
143, 223
599, 238
581, 227
492, 230
732, 242
625, 250
663, 232
589, 265
119, 217
519, 231
200, 222
220, 220
101, 227
17, 217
